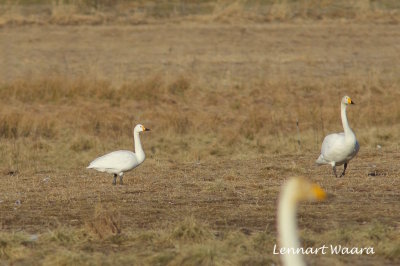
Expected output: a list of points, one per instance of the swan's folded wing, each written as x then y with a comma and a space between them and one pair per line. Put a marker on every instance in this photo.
330, 145
115, 160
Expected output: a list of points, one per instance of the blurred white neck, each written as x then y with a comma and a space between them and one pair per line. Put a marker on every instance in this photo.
287, 228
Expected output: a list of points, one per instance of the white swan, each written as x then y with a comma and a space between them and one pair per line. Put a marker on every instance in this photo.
339, 148
118, 162
295, 190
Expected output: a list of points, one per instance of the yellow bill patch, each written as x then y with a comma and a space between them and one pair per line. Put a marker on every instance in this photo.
319, 193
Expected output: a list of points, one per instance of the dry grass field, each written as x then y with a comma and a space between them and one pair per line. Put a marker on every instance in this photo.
221, 85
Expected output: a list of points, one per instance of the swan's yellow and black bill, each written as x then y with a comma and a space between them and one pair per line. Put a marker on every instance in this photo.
349, 101
147, 129
318, 192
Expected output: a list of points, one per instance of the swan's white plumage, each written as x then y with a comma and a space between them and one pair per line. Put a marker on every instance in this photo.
293, 192
336, 149
118, 162
115, 162
340, 148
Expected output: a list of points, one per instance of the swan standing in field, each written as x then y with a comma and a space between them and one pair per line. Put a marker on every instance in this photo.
294, 191
340, 148
118, 162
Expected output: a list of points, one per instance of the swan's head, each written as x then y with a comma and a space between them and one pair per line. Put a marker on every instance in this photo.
300, 189
140, 128
347, 100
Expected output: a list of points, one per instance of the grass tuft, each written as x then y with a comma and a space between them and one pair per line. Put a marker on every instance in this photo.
104, 224
191, 230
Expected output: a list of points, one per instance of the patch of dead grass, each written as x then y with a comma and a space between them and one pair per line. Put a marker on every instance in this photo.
88, 12
224, 138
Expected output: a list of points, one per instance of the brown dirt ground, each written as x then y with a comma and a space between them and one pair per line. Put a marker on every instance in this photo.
232, 192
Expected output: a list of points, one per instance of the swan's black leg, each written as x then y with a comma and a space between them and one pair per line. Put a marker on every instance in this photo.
334, 170
115, 180
120, 179
344, 170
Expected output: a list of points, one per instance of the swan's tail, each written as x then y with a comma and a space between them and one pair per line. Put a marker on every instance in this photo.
320, 160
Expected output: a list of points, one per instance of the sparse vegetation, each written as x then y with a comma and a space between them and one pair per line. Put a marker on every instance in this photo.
221, 85
100, 12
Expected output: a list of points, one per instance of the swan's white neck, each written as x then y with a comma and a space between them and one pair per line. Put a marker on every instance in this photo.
287, 228
138, 147
347, 130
